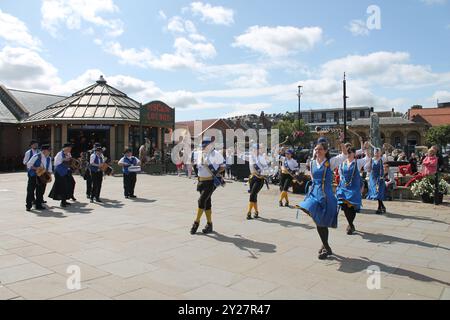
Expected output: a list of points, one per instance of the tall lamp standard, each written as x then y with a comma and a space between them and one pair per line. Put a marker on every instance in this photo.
299, 105
345, 107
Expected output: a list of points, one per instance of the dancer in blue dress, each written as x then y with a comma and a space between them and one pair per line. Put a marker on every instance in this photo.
348, 192
377, 186
321, 203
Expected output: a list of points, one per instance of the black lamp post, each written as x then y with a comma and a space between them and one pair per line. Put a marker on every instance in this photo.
345, 107
299, 105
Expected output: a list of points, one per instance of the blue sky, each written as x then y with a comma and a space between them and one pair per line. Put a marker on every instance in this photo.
223, 58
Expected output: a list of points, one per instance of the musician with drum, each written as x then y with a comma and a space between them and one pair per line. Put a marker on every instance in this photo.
39, 174
97, 162
130, 167
61, 190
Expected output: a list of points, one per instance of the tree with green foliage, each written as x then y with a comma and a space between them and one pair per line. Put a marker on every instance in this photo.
438, 136
294, 134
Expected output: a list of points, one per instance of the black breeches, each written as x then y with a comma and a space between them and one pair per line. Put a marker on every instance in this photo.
31, 188
97, 180
129, 182
350, 213
256, 184
35, 186
88, 178
323, 234
206, 189
285, 182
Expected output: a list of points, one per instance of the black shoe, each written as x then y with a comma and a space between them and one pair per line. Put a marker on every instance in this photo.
195, 227
40, 208
64, 204
73, 199
133, 197
383, 210
256, 216
28, 209
350, 230
249, 216
325, 254
321, 249
208, 228
379, 212
281, 204
92, 200
44, 202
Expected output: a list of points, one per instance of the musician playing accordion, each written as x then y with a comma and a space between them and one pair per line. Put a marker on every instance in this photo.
127, 162
39, 162
288, 171
211, 165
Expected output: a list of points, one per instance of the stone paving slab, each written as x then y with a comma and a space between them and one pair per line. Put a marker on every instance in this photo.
142, 249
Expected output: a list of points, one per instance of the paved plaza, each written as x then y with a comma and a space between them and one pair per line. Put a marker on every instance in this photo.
142, 249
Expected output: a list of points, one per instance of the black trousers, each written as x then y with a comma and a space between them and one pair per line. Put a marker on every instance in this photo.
285, 182
256, 184
97, 180
88, 178
129, 182
31, 190
206, 189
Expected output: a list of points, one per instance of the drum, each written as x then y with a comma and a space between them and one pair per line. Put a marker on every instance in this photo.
43, 175
134, 169
106, 169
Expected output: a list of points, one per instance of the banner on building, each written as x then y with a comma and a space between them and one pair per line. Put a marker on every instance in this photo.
157, 114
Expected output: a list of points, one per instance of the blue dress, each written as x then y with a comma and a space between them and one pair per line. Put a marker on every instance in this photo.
349, 189
377, 187
321, 203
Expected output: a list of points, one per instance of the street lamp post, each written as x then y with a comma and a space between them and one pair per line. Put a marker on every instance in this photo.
299, 105
345, 107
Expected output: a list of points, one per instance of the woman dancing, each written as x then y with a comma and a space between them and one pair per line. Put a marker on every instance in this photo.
377, 187
348, 192
321, 203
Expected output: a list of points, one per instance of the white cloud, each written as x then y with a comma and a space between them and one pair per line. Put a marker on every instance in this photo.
162, 15
236, 75
442, 96
279, 41
386, 69
23, 68
72, 13
187, 55
358, 28
213, 15
15, 31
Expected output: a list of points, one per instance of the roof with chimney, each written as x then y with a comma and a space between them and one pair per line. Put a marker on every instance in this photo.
431, 116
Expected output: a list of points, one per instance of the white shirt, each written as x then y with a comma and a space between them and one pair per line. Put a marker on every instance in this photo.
122, 161
214, 157
27, 156
260, 161
292, 163
364, 162
59, 158
334, 162
43, 162
101, 156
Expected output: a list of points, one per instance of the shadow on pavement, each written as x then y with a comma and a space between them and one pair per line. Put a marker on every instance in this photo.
141, 200
354, 265
382, 238
245, 244
112, 204
401, 217
286, 224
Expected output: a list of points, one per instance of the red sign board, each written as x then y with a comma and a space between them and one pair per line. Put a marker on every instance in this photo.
157, 114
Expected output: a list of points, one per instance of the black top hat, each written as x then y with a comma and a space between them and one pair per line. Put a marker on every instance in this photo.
67, 145
33, 142
46, 147
127, 150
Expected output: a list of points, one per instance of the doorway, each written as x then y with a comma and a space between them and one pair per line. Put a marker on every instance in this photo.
84, 140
